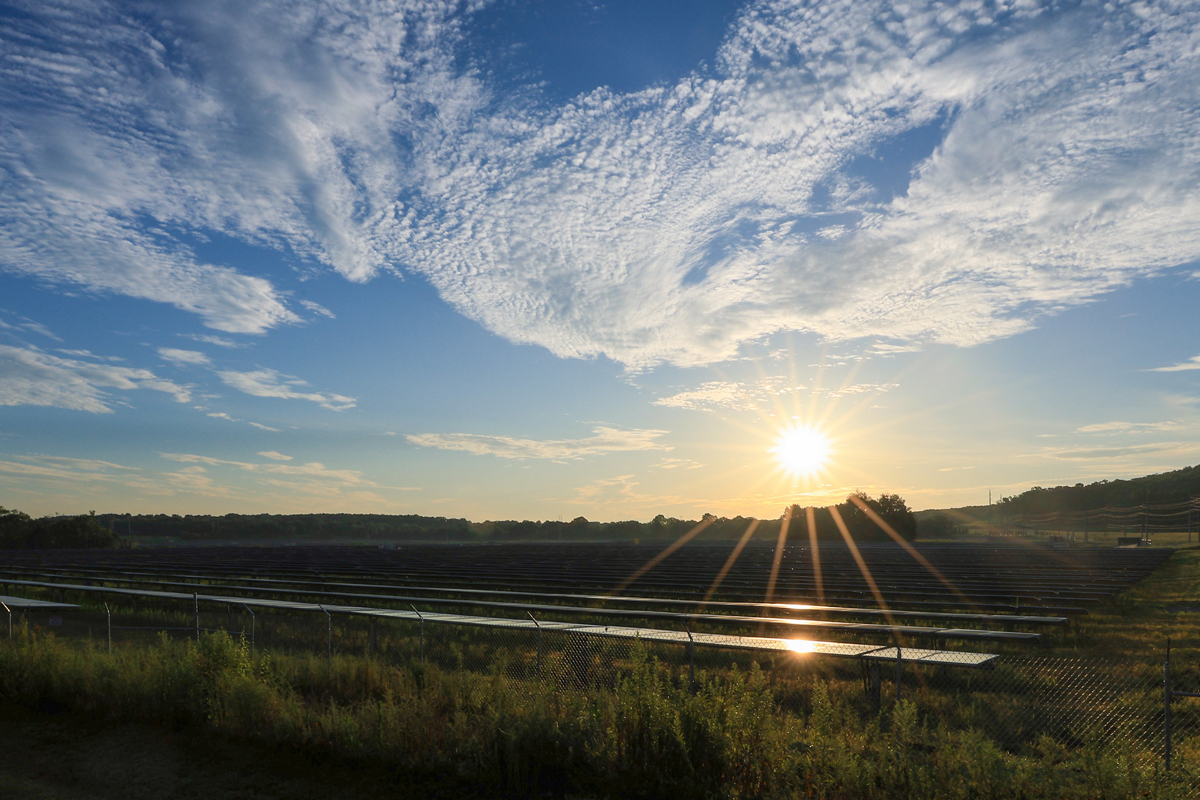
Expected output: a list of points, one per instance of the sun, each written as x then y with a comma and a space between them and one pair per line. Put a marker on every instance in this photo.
802, 450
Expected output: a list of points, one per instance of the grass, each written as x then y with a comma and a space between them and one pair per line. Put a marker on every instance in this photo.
212, 720
1140, 619
647, 734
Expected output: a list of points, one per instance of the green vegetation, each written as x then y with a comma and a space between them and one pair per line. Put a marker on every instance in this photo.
1165, 506
891, 508
636, 730
19, 531
1176, 486
412, 527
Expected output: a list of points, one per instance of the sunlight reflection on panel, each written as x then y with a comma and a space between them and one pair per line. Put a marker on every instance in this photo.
800, 646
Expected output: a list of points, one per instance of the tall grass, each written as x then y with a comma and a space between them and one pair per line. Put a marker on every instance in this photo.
647, 733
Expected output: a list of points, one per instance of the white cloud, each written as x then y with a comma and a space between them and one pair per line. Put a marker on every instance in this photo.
313, 472
603, 440
1128, 427
721, 394
672, 224
186, 357
761, 395
274, 456
269, 383
678, 463
317, 308
264, 427
1158, 449
29, 376
217, 340
1190, 364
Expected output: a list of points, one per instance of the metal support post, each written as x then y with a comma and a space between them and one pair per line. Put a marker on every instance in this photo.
539, 643
421, 645
252, 626
328, 638
899, 668
9, 610
108, 617
196, 609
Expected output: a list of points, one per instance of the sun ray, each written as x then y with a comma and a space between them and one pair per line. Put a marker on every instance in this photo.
810, 518
912, 551
654, 562
862, 564
729, 562
783, 532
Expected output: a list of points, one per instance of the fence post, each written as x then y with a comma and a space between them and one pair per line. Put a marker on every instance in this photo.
421, 645
9, 610
539, 643
251, 628
328, 638
108, 617
899, 667
1167, 706
196, 609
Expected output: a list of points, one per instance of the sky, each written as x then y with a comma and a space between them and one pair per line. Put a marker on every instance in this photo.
541, 259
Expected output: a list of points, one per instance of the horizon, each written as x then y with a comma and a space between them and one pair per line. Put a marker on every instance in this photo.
524, 259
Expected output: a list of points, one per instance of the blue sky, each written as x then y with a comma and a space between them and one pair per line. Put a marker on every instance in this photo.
544, 259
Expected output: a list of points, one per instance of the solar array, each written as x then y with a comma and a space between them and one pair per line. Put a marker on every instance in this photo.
967, 593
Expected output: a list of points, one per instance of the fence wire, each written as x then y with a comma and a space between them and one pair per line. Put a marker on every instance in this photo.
1022, 703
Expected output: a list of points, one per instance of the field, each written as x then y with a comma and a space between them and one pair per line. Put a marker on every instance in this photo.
506, 665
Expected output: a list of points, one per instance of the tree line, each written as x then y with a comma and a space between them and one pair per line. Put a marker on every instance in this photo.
17, 530
1176, 486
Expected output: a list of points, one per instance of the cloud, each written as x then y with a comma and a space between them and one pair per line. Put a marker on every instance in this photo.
313, 473
29, 376
274, 456
24, 323
217, 340
1055, 161
1190, 364
269, 383
758, 395
1090, 453
317, 308
716, 394
1128, 427
264, 427
184, 357
603, 440
678, 463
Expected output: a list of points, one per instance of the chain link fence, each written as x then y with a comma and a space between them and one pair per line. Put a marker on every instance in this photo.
1024, 704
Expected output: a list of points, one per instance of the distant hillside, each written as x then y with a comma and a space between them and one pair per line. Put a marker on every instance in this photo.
1160, 501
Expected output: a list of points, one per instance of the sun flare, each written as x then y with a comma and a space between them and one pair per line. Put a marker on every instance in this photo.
802, 450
